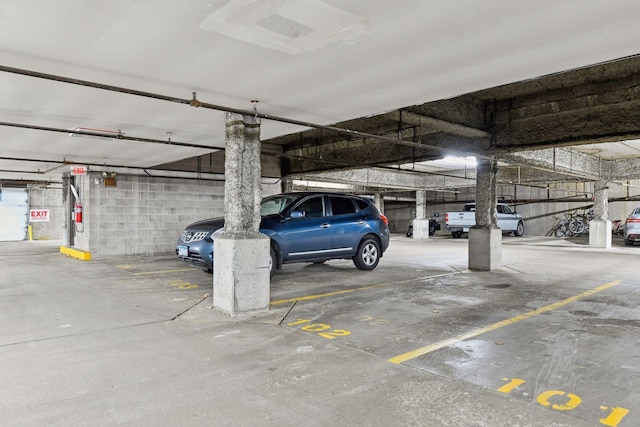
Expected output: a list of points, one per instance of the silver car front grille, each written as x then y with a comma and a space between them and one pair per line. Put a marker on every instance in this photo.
190, 236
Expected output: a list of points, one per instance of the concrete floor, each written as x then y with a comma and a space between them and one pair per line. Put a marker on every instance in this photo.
550, 339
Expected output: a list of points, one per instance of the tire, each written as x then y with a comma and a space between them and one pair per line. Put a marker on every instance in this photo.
519, 229
273, 262
576, 226
628, 242
368, 254
456, 234
560, 232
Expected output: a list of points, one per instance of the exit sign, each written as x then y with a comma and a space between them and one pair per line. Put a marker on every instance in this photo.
39, 215
78, 170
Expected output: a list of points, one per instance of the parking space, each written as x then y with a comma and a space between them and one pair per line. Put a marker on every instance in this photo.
167, 271
551, 338
554, 327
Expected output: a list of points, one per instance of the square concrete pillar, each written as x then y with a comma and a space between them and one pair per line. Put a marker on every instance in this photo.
241, 253
241, 273
485, 248
420, 228
600, 233
421, 204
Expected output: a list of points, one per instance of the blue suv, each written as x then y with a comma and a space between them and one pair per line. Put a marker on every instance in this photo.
303, 227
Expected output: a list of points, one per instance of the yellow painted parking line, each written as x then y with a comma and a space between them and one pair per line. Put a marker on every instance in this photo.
471, 334
325, 295
164, 271
348, 291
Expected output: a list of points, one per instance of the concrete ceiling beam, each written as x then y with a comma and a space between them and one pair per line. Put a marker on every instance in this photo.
431, 124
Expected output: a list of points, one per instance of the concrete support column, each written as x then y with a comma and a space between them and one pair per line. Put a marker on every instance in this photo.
421, 204
421, 222
485, 238
287, 185
241, 252
600, 225
379, 202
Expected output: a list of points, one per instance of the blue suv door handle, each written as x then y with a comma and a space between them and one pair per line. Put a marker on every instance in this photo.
325, 225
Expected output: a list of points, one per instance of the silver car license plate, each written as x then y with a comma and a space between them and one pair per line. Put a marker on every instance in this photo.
183, 250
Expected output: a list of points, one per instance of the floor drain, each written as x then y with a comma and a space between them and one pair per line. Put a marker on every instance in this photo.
498, 286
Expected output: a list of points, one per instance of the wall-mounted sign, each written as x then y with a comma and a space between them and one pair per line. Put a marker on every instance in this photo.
78, 170
39, 215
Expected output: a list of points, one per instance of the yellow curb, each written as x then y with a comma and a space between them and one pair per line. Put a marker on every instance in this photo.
75, 253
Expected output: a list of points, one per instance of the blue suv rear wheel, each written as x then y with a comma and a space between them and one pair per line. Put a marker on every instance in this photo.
368, 254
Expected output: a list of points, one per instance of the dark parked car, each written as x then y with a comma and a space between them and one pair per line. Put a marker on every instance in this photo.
303, 227
632, 228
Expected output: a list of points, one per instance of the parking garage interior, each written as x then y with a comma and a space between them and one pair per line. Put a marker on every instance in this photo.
119, 128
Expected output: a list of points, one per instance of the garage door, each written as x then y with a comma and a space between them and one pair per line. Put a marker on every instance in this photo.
14, 213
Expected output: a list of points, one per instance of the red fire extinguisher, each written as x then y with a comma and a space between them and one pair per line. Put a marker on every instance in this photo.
78, 211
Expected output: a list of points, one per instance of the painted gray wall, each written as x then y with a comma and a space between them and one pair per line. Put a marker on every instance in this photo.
48, 197
540, 214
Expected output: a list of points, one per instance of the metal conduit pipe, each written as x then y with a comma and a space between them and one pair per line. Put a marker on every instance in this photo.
182, 144
102, 135
196, 103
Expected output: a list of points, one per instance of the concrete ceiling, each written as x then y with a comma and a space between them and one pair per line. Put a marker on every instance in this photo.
316, 61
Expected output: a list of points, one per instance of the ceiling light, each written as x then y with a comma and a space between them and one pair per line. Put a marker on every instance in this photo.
95, 133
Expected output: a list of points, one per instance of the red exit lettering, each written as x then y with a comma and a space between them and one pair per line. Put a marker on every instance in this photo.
39, 214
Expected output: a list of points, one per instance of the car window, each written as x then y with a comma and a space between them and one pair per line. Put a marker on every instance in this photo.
275, 205
342, 205
504, 209
362, 204
313, 207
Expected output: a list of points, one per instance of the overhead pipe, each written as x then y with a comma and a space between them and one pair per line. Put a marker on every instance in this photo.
120, 135
196, 103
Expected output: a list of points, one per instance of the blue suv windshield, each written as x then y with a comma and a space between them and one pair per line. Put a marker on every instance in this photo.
276, 204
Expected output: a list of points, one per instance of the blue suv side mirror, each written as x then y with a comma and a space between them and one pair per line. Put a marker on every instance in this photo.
297, 214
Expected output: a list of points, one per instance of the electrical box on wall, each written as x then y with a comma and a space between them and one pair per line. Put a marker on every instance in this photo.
110, 182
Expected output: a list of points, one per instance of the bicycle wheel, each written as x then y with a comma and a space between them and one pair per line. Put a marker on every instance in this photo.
576, 226
560, 231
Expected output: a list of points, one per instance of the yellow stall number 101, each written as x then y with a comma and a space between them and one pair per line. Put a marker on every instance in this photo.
572, 401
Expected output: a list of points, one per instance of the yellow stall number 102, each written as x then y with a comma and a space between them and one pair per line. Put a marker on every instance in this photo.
321, 329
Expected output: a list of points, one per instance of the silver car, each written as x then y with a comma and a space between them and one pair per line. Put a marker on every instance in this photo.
632, 228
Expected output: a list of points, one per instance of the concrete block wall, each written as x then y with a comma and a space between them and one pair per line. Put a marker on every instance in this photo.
144, 215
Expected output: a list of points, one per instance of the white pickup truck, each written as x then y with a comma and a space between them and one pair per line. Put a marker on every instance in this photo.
460, 222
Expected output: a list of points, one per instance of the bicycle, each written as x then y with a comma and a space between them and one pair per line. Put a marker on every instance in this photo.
561, 228
576, 226
579, 222
617, 228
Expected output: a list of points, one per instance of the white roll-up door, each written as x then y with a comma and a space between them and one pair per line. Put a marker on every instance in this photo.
14, 213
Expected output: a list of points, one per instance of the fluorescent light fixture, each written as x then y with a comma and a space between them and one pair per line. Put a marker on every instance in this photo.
469, 161
319, 184
94, 133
